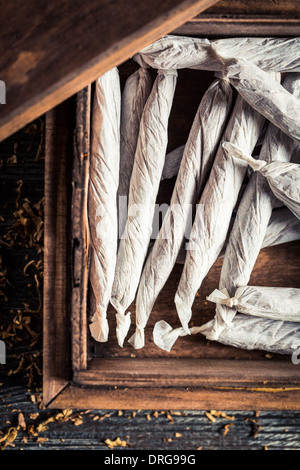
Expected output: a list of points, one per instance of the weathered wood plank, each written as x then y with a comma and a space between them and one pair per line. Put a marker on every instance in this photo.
282, 8
185, 398
149, 429
242, 26
51, 51
80, 232
181, 372
60, 124
246, 18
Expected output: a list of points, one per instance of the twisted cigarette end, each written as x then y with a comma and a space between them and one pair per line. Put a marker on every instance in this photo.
235, 152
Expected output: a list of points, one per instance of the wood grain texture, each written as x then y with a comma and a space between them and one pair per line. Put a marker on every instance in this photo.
279, 8
57, 244
185, 398
218, 27
181, 372
246, 18
80, 233
150, 429
51, 52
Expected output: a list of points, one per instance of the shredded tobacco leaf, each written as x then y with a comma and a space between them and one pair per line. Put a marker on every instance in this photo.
168, 415
42, 440
210, 417
21, 252
9, 437
21, 421
226, 428
116, 443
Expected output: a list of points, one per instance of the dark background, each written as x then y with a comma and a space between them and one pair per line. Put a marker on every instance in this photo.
24, 421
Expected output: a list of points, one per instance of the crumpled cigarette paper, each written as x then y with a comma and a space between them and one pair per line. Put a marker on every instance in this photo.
245, 332
279, 303
265, 94
135, 94
102, 196
253, 214
283, 177
144, 183
199, 152
216, 205
269, 54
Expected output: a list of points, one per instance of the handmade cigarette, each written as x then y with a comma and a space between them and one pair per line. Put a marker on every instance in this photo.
246, 332
216, 206
145, 178
278, 303
270, 54
265, 94
102, 196
282, 177
135, 94
199, 153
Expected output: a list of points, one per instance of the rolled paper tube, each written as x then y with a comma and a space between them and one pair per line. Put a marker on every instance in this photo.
279, 303
199, 153
135, 94
172, 163
283, 177
265, 94
102, 196
233, 150
216, 206
269, 54
144, 184
245, 332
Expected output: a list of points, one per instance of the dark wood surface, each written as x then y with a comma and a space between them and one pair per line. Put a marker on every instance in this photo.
51, 50
151, 429
80, 232
57, 248
246, 18
272, 8
146, 430
187, 372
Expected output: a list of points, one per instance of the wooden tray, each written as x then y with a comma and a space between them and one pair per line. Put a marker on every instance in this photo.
196, 374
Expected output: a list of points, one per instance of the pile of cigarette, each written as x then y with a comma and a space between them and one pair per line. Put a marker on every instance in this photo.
128, 162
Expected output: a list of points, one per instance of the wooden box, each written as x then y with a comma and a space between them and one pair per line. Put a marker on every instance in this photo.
196, 374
